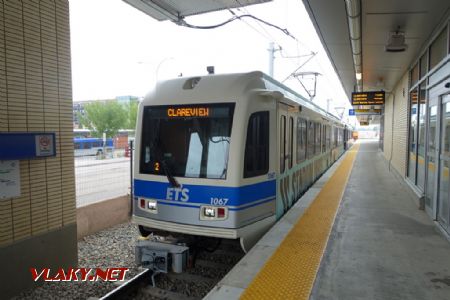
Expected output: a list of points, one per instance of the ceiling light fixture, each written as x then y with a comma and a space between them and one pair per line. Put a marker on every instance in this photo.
396, 42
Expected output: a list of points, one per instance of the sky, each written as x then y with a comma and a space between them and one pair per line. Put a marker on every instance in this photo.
118, 50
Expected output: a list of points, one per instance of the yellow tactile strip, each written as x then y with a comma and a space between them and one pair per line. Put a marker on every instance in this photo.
292, 269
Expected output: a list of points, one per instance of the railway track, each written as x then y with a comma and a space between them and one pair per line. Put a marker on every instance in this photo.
209, 268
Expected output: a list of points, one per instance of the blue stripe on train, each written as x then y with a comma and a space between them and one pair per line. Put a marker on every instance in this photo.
232, 208
202, 194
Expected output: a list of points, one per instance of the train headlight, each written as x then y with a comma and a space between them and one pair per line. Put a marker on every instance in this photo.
209, 212
152, 206
149, 205
212, 213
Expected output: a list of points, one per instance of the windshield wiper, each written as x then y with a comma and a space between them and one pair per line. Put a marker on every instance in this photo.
224, 172
160, 157
172, 180
156, 149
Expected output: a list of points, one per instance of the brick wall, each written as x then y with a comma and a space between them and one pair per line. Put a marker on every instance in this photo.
396, 133
36, 95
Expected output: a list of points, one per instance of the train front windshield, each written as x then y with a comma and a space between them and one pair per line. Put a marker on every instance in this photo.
186, 141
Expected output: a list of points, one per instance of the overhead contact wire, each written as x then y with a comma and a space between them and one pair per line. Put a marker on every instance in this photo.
182, 22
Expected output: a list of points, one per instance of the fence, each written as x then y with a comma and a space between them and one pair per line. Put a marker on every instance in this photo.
102, 176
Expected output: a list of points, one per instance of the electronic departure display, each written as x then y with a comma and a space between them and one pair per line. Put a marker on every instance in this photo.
368, 98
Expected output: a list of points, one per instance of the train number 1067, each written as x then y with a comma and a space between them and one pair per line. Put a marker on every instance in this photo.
219, 201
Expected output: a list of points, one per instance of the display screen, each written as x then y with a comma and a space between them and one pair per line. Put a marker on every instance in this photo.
186, 140
187, 112
368, 98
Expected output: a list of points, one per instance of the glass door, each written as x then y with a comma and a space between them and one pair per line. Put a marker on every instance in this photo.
433, 138
443, 207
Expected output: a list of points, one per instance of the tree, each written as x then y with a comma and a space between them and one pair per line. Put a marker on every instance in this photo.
132, 109
104, 117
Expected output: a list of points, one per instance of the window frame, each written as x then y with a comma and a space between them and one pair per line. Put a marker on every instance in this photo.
317, 138
282, 144
328, 137
301, 139
310, 140
291, 143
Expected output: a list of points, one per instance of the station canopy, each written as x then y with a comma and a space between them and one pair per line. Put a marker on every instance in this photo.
375, 21
358, 37
174, 10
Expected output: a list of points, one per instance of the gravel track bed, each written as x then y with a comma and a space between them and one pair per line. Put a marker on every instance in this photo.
113, 247
191, 289
198, 289
208, 272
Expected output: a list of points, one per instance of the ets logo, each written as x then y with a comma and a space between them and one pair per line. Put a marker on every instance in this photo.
178, 194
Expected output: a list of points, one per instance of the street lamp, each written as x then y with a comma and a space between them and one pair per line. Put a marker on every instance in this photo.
159, 65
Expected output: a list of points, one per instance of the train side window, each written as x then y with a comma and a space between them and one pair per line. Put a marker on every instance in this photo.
339, 137
310, 140
301, 140
282, 143
324, 134
317, 140
328, 137
256, 160
331, 136
335, 136
291, 141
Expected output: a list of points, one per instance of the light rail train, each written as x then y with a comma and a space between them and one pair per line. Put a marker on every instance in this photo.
226, 156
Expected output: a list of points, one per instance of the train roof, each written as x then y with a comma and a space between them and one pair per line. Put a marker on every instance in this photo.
272, 84
234, 85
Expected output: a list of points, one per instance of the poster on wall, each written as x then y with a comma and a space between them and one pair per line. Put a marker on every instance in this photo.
9, 179
45, 145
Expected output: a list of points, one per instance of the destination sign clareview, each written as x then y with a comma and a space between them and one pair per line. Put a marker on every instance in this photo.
368, 98
188, 112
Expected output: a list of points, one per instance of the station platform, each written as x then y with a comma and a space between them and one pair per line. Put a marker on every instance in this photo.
356, 234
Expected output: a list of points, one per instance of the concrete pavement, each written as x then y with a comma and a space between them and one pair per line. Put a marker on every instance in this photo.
382, 246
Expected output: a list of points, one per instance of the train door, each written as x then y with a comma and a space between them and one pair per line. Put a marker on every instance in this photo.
443, 192
345, 137
285, 154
